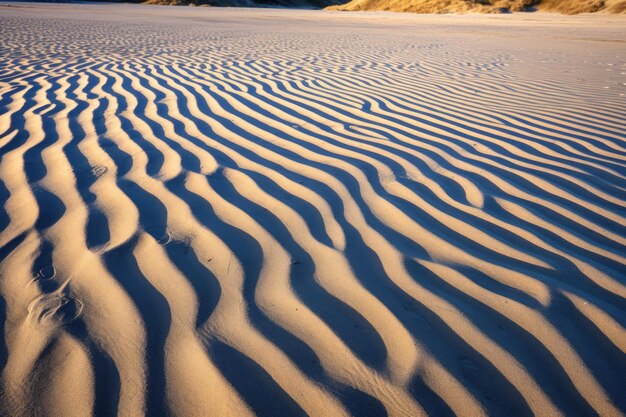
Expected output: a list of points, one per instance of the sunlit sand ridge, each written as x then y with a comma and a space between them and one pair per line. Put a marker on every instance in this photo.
268, 212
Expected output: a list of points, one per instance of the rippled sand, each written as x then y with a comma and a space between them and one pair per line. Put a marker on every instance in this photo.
230, 212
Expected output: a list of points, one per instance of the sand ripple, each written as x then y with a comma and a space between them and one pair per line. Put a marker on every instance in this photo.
204, 219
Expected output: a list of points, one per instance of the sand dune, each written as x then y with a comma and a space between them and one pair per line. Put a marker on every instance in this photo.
271, 212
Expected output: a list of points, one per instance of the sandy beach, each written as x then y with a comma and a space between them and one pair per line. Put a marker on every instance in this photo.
233, 212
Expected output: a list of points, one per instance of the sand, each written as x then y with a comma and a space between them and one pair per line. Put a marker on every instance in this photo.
231, 212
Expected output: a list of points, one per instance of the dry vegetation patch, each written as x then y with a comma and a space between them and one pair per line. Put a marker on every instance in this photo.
486, 6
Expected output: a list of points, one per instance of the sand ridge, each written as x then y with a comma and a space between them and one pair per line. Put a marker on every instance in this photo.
221, 212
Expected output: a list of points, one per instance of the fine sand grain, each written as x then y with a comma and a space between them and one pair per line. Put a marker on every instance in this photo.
232, 212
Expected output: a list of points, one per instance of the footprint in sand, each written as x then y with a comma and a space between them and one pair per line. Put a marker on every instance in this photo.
53, 310
99, 170
47, 272
44, 277
169, 237
162, 237
469, 368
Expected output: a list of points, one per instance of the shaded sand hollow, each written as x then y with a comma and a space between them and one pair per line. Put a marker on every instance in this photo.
222, 212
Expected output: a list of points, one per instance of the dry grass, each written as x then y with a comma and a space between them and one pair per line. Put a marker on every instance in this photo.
428, 6
439, 6
584, 6
422, 6
486, 6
